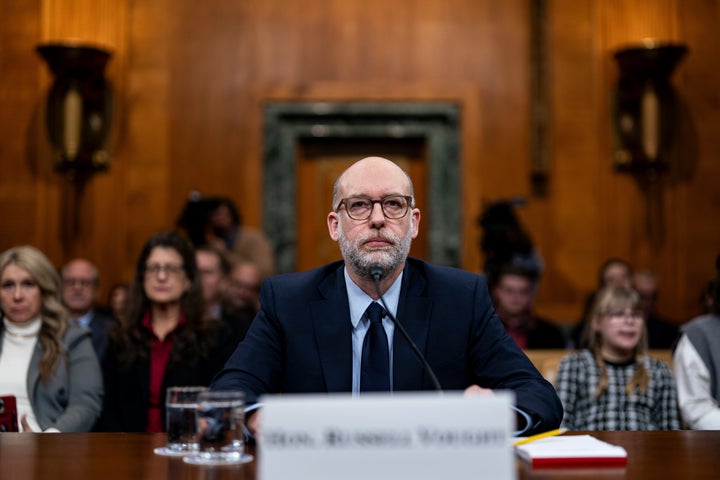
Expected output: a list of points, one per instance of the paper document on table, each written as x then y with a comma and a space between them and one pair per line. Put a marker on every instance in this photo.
571, 451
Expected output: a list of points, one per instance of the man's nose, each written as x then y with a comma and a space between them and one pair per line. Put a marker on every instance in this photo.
377, 217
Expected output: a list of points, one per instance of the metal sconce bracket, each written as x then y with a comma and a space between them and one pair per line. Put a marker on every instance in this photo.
645, 106
78, 112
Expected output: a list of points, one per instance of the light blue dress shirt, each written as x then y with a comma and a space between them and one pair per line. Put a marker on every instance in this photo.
359, 302
84, 321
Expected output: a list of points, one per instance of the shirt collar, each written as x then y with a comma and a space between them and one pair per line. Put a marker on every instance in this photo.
359, 300
84, 320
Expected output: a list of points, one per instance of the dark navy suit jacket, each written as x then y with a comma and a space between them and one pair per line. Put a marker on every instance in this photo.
301, 340
100, 325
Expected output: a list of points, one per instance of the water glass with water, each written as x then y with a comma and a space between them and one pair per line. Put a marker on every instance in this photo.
180, 406
219, 420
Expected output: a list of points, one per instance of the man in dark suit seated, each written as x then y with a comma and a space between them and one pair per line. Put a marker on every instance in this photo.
310, 332
80, 288
514, 299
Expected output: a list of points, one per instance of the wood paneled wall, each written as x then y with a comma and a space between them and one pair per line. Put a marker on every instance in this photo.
191, 79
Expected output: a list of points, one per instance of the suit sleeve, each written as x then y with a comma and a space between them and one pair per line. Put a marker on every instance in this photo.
255, 366
498, 363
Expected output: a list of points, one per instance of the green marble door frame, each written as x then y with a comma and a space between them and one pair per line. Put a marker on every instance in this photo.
437, 123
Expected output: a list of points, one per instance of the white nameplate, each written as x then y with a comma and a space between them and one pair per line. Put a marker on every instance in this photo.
417, 436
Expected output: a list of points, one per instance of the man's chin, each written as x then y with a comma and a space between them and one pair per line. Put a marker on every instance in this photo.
381, 257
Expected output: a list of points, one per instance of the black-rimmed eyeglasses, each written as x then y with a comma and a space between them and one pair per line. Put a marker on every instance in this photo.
170, 269
361, 207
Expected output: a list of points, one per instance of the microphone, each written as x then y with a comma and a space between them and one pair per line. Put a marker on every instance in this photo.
376, 272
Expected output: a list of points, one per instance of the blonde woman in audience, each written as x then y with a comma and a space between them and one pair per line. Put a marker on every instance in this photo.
49, 365
614, 272
613, 384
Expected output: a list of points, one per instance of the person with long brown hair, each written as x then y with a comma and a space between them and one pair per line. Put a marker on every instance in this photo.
166, 338
47, 364
614, 384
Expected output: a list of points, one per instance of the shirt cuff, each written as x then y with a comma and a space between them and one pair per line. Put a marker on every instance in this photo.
524, 422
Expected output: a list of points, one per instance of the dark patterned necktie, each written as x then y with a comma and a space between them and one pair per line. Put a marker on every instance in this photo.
375, 369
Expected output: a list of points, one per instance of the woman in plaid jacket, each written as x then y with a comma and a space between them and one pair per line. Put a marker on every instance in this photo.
614, 384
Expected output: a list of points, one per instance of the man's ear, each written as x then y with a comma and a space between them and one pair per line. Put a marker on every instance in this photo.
332, 223
415, 222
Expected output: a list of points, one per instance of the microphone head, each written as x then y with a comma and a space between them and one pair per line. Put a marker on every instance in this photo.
376, 272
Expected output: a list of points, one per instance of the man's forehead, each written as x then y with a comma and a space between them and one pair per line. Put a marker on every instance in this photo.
79, 268
383, 183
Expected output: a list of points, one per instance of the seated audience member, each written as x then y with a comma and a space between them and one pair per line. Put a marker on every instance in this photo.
117, 300
80, 289
48, 364
324, 331
214, 269
165, 340
613, 384
661, 333
243, 292
613, 272
514, 298
244, 242
697, 366
707, 301
216, 221
505, 241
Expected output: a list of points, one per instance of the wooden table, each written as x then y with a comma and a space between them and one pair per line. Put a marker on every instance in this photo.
109, 456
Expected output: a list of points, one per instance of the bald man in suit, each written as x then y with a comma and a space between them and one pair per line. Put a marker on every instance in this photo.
309, 333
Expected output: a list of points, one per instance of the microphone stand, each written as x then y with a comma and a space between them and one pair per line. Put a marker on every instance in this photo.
376, 273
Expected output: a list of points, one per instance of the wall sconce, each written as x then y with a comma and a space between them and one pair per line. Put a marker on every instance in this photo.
645, 106
78, 111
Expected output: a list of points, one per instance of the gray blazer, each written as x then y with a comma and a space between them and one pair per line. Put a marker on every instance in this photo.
72, 400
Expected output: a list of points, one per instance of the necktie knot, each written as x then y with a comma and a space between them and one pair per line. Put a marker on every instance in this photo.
376, 312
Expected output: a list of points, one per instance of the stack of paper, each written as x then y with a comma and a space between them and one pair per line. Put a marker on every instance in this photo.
572, 451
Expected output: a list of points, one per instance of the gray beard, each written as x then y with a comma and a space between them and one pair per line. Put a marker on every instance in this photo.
389, 258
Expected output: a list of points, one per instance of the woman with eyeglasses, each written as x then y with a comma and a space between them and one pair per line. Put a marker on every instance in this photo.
614, 384
48, 364
165, 340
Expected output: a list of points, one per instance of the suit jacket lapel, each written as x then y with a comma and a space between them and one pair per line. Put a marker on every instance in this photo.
414, 312
331, 322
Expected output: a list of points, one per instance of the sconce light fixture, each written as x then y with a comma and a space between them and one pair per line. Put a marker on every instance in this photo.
645, 106
78, 112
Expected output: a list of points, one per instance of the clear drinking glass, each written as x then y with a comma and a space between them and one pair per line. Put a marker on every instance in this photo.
219, 420
180, 406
